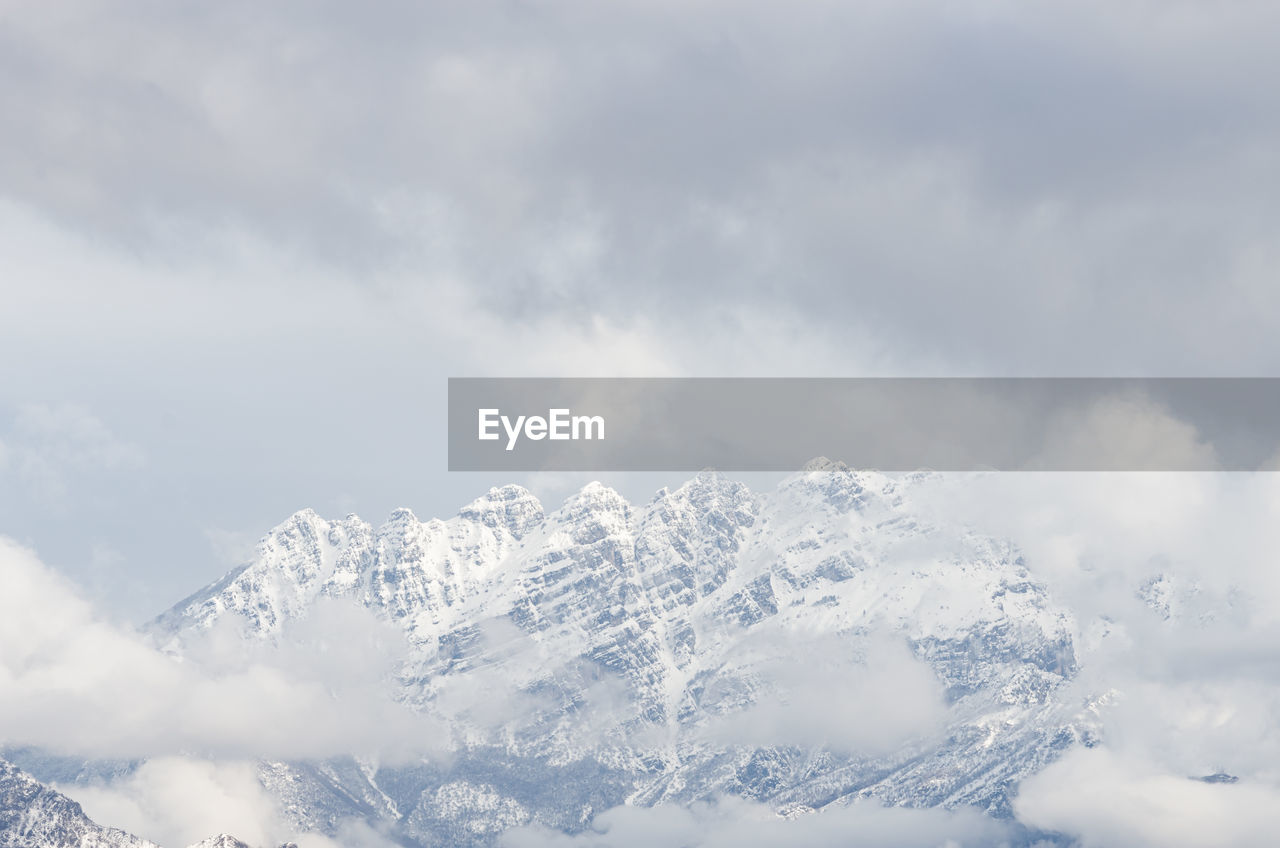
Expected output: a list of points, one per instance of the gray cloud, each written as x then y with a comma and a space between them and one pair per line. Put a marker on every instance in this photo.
958, 183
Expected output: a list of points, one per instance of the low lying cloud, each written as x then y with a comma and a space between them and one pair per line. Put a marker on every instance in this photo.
73, 683
1095, 538
863, 696
1110, 801
734, 823
177, 801
1172, 580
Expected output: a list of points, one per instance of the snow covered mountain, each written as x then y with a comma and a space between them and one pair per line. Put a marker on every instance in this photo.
803, 648
33, 815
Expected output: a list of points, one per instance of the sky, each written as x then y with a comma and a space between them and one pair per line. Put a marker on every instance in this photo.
244, 245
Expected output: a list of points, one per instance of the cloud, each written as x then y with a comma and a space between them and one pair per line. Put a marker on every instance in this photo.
178, 801
1170, 577
75, 683
1096, 537
1271, 463
71, 435
860, 696
743, 824
1126, 433
231, 547
54, 443
957, 183
1113, 802
508, 695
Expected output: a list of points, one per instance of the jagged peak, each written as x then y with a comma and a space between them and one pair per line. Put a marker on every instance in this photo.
504, 494
709, 491
822, 463
711, 480
305, 522
512, 507
597, 495
222, 840
825, 472
305, 516
837, 484
400, 528
596, 505
400, 515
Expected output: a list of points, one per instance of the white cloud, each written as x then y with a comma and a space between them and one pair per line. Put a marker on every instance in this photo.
733, 823
1114, 802
854, 696
74, 683
1172, 581
231, 547
1096, 537
178, 801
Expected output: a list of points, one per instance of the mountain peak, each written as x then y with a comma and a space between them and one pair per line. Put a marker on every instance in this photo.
402, 513
596, 497
822, 463
306, 515
837, 485
512, 507
222, 840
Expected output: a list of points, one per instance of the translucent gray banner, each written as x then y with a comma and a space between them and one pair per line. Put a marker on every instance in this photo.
897, 424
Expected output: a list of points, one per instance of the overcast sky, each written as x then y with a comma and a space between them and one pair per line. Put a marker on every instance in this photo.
242, 245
